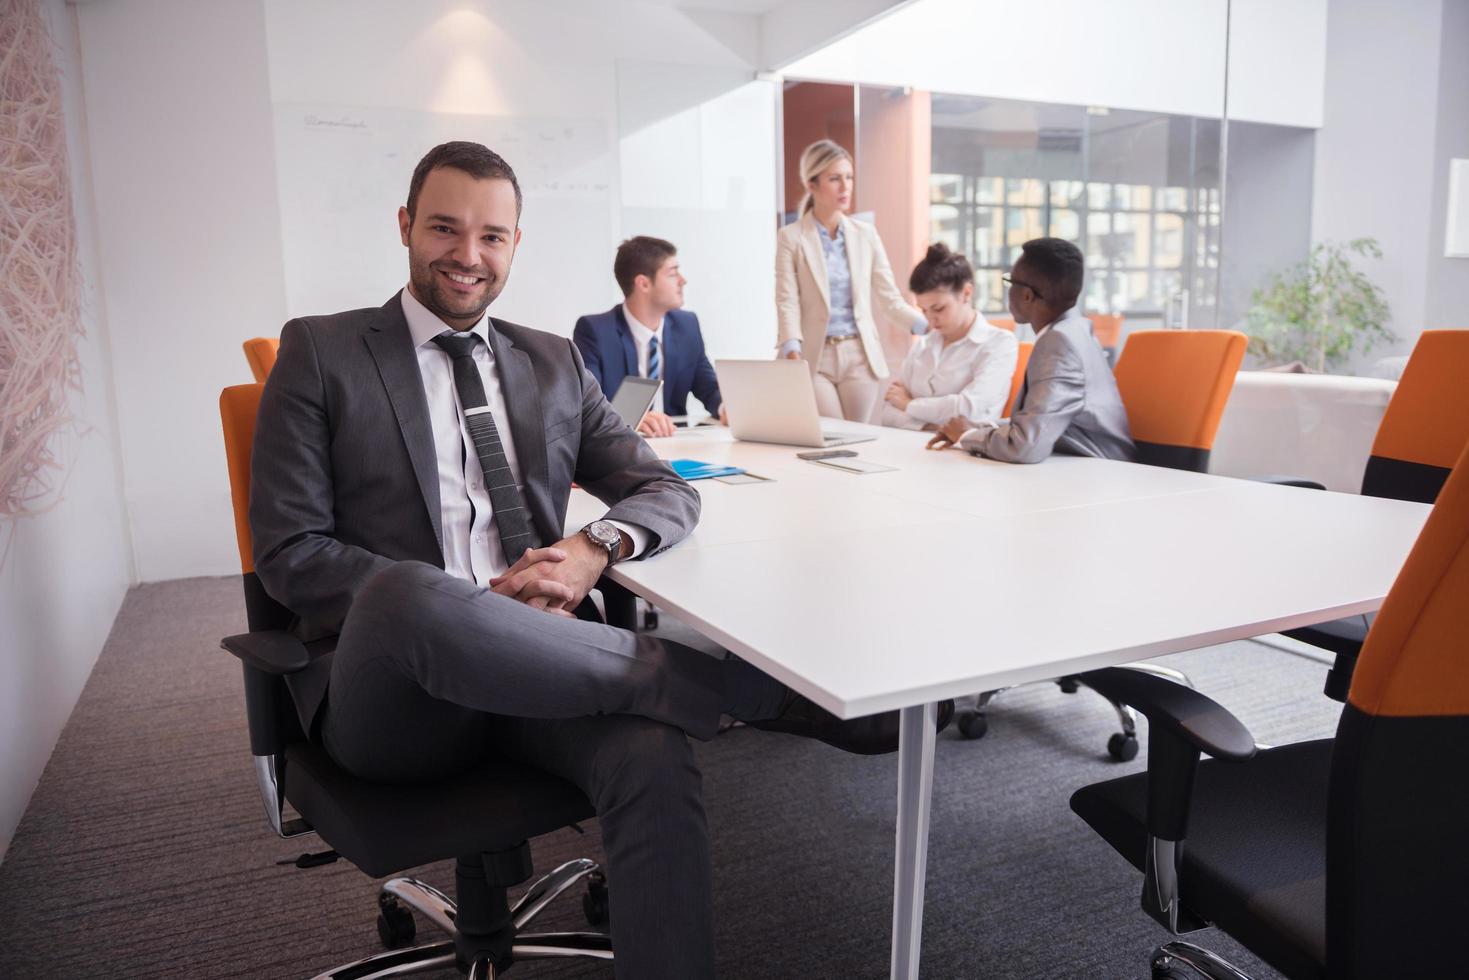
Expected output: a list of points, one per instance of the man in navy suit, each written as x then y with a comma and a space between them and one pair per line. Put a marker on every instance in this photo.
649, 335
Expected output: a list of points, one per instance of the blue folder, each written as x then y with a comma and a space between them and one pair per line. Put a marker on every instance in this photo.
693, 469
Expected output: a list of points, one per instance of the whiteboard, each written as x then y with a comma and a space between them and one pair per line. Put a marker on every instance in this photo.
343, 172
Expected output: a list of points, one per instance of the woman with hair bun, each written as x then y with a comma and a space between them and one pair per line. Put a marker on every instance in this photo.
964, 365
830, 273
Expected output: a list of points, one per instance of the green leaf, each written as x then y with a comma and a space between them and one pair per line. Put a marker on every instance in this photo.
1321, 310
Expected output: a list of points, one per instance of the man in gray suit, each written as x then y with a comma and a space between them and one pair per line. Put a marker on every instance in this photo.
410, 477
1068, 402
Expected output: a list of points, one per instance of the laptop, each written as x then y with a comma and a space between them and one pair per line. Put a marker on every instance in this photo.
773, 401
634, 397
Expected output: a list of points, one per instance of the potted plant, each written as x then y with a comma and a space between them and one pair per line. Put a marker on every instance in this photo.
1320, 311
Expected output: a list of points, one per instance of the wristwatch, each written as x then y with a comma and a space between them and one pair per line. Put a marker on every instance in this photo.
604, 534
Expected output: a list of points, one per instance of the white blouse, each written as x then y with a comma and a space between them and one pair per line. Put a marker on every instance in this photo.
970, 377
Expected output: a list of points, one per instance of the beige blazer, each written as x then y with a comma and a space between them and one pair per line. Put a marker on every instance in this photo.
802, 305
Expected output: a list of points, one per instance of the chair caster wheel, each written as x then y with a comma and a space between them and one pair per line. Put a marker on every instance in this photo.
972, 724
650, 619
394, 923
594, 903
1122, 747
1167, 969
1069, 685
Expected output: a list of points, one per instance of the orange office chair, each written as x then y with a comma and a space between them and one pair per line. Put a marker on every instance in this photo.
1022, 359
260, 352
1424, 429
1107, 328
1426, 423
483, 816
1004, 323
1174, 385
1336, 859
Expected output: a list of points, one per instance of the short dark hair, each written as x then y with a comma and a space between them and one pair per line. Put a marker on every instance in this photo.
480, 162
940, 269
1057, 267
640, 255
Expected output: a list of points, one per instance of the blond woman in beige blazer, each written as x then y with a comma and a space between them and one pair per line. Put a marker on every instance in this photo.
830, 273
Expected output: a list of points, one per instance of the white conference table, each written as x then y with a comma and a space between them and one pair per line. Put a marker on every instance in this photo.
953, 575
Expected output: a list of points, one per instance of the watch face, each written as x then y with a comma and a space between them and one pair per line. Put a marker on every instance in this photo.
603, 533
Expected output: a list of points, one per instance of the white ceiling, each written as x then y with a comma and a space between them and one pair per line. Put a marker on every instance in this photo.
755, 7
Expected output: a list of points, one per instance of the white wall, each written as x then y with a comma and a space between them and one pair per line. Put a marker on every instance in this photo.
196, 217
680, 152
1268, 204
178, 110
462, 63
1447, 302
797, 28
1152, 55
714, 196
1375, 151
63, 573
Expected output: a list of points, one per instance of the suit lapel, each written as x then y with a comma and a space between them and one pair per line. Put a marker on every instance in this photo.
1036, 355
629, 348
671, 331
391, 346
859, 258
815, 256
527, 422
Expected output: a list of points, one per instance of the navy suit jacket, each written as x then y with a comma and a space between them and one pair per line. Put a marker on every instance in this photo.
607, 348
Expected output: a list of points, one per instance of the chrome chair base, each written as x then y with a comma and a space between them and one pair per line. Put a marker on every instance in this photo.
439, 909
1169, 956
1122, 746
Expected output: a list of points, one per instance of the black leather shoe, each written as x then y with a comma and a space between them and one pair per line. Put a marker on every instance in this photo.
872, 735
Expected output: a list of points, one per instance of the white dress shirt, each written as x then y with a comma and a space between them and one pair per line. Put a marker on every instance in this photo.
472, 548
970, 377
641, 335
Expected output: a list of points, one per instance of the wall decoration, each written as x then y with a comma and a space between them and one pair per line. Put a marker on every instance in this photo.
40, 317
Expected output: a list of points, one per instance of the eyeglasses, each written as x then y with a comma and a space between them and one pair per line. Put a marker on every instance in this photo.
1016, 282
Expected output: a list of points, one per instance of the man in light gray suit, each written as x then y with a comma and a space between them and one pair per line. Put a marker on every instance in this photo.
1068, 402
410, 477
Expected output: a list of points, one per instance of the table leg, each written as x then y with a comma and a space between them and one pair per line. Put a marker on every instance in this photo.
915, 794
620, 603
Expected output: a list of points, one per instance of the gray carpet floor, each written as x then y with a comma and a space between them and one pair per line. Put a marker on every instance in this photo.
145, 853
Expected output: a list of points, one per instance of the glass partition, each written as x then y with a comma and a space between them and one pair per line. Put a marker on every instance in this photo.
1138, 192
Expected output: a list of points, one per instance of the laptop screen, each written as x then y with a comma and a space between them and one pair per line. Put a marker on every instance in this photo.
634, 397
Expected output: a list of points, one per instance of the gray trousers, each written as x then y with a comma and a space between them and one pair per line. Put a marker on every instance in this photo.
432, 673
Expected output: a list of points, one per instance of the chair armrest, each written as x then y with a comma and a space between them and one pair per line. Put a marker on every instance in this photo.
272, 651
1288, 481
1196, 718
1181, 724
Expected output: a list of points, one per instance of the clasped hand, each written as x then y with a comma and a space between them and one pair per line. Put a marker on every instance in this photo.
554, 579
950, 433
898, 396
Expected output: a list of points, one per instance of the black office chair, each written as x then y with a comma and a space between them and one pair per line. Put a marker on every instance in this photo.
1425, 427
483, 817
1337, 858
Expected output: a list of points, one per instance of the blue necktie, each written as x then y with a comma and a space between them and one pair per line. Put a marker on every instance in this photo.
655, 362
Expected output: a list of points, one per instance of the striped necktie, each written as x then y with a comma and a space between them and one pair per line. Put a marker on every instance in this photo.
655, 361
512, 519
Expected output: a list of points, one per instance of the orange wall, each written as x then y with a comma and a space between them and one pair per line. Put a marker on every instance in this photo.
813, 111
894, 159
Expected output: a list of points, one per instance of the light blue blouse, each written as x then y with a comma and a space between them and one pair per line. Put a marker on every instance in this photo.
842, 323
